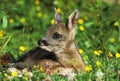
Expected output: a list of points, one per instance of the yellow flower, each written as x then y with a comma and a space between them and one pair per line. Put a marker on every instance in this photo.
98, 63
58, 10
110, 54
117, 55
81, 28
5, 74
11, 20
34, 66
22, 48
52, 21
88, 68
112, 40
38, 8
27, 74
14, 73
97, 52
26, 78
22, 20
1, 33
39, 14
41, 69
116, 24
80, 21
81, 51
37, 2
100, 51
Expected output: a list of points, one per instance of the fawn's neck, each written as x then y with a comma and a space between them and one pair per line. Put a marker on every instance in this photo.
72, 45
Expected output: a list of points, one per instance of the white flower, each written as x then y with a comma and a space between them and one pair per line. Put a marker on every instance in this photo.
69, 72
99, 75
12, 69
24, 70
55, 2
30, 74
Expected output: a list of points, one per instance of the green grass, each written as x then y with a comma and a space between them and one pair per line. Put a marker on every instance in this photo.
24, 25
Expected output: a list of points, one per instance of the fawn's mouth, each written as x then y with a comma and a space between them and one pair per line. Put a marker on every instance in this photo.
42, 43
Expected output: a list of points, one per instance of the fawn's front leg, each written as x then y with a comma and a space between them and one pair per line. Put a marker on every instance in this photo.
69, 58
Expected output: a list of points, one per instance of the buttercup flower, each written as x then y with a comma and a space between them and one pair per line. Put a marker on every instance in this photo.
39, 14
80, 21
117, 55
5, 74
1, 33
100, 51
58, 10
41, 69
112, 40
81, 51
98, 63
14, 73
37, 2
22, 20
81, 28
97, 52
88, 68
22, 48
116, 24
26, 78
52, 21
110, 54
28, 74
11, 20
34, 67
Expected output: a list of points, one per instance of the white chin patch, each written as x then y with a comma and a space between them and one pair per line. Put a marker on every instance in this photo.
46, 48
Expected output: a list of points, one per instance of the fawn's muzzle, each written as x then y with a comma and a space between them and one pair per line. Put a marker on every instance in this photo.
42, 42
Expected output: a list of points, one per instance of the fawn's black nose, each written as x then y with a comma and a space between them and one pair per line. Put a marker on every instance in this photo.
42, 42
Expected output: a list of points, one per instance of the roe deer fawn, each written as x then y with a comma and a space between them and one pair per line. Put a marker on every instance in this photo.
57, 50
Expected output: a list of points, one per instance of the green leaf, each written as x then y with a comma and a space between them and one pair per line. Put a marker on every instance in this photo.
1, 75
88, 44
5, 22
99, 3
112, 48
89, 24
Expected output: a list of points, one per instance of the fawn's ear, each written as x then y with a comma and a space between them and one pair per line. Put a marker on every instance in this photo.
73, 18
57, 17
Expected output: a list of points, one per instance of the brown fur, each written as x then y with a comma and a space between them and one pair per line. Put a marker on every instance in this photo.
65, 47
58, 43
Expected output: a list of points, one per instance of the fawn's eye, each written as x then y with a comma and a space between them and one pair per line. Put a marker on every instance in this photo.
56, 36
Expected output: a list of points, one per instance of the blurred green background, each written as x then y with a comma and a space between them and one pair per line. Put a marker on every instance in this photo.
24, 22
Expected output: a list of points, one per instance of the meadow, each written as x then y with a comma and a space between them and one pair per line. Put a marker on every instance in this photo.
23, 23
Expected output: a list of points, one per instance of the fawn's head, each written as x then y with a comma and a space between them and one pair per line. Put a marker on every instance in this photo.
60, 34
